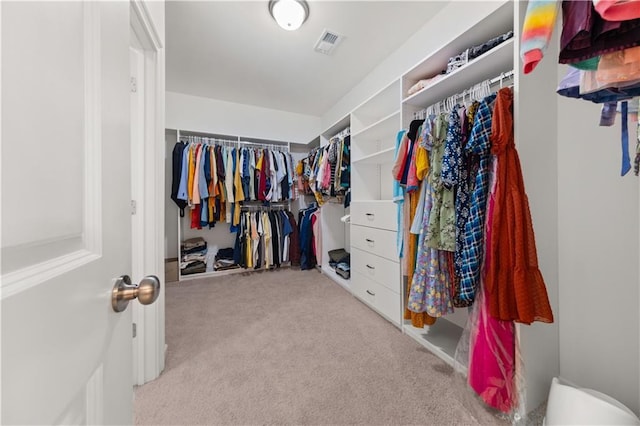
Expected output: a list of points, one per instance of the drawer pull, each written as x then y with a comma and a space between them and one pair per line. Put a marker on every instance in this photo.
368, 292
369, 241
371, 267
370, 215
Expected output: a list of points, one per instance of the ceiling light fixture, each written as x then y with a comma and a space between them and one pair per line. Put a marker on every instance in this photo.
289, 14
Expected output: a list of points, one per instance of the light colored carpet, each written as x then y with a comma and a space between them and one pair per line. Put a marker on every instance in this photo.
291, 347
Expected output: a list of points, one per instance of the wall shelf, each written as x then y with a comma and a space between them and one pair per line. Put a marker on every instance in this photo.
498, 22
377, 107
380, 157
335, 233
376, 130
235, 271
489, 65
375, 138
440, 338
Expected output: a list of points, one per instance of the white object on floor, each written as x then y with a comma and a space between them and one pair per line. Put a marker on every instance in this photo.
568, 405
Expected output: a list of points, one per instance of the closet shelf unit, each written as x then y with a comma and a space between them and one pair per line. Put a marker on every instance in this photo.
376, 278
220, 236
374, 260
442, 337
383, 156
481, 68
335, 233
492, 25
378, 131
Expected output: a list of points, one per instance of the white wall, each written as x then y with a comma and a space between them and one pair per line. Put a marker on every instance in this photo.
449, 23
537, 148
194, 113
599, 255
156, 11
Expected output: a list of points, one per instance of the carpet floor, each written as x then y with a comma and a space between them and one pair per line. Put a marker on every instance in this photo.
291, 347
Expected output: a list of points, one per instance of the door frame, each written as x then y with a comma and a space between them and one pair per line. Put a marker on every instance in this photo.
149, 342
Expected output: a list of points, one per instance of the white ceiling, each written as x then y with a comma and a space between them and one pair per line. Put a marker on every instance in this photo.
235, 51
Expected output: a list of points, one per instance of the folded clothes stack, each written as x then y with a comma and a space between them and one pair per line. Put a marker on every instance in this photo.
340, 261
193, 245
344, 270
224, 260
471, 53
460, 60
424, 83
483, 48
193, 257
195, 267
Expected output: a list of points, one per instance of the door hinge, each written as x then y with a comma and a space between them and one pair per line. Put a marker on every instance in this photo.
134, 207
135, 330
134, 85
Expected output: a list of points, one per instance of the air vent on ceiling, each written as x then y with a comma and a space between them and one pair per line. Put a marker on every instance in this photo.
328, 42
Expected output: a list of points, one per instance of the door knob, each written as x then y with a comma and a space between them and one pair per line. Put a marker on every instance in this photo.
147, 291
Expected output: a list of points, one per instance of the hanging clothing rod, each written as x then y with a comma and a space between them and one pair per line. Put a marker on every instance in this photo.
341, 134
503, 76
204, 139
271, 146
265, 208
229, 142
476, 92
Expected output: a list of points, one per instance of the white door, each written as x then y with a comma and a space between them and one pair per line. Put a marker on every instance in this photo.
66, 212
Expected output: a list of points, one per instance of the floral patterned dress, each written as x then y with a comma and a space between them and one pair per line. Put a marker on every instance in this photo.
441, 232
430, 289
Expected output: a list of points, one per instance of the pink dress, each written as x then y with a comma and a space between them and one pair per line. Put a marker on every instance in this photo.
492, 347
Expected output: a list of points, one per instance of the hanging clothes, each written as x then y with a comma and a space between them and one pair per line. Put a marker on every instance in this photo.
441, 233
492, 348
317, 237
402, 153
184, 176
215, 180
195, 191
455, 175
294, 241
177, 162
345, 165
307, 239
430, 287
585, 34
470, 164
190, 174
514, 283
473, 242
429, 290
419, 318
325, 172
413, 183
409, 164
398, 190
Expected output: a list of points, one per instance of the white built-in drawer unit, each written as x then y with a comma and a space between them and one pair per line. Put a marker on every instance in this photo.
377, 241
376, 214
379, 269
379, 297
